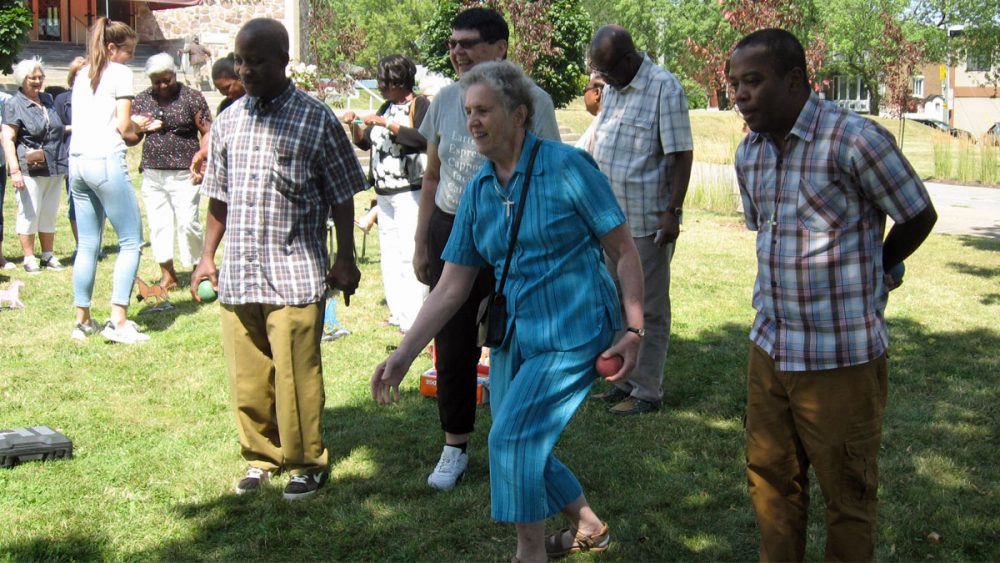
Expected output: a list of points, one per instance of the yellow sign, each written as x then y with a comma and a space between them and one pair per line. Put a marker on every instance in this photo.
943, 71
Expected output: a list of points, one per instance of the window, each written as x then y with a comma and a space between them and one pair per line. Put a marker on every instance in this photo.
979, 61
918, 86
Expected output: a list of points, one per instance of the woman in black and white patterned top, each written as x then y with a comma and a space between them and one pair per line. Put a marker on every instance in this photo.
170, 196
398, 156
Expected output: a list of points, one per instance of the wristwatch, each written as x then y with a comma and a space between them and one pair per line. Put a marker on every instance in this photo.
639, 331
677, 212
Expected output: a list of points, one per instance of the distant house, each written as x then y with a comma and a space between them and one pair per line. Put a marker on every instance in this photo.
849, 92
168, 23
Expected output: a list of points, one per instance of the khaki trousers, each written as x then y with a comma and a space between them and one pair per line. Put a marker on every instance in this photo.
276, 378
646, 381
832, 420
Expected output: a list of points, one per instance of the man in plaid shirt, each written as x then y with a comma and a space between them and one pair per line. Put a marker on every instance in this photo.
817, 183
642, 141
279, 165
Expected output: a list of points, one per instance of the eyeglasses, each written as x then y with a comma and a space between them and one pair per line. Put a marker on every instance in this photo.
464, 43
593, 87
611, 70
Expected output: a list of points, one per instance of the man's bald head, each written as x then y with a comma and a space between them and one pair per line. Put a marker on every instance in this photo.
261, 56
613, 55
610, 43
267, 31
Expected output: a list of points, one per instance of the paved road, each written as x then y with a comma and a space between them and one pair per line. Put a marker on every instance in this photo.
962, 210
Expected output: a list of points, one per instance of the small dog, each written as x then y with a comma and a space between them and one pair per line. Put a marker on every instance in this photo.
155, 292
12, 295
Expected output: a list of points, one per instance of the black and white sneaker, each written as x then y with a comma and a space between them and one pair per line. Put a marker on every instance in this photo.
254, 478
304, 486
84, 330
52, 263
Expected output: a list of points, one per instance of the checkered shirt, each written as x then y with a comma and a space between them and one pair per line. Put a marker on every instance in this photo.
280, 167
637, 130
819, 210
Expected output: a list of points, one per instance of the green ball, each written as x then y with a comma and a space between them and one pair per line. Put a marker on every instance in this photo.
205, 291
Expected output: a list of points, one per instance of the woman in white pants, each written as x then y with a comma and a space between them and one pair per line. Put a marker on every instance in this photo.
398, 155
179, 114
32, 144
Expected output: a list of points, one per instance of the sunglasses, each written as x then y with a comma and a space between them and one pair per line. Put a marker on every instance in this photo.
464, 43
610, 71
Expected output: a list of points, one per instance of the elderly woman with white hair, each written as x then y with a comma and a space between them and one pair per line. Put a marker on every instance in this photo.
562, 308
32, 144
179, 114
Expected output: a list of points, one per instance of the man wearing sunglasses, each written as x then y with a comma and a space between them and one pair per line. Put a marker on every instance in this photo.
642, 141
477, 35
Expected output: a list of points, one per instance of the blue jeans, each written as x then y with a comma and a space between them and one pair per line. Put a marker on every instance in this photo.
3, 193
101, 188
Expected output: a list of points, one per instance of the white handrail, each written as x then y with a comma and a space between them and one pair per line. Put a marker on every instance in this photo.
371, 94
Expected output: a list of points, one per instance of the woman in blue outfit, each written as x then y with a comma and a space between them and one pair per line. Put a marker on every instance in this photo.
563, 309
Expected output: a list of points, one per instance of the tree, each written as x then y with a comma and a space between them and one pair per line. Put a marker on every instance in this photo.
956, 29
705, 59
645, 20
548, 39
561, 70
864, 34
15, 23
433, 42
901, 56
358, 33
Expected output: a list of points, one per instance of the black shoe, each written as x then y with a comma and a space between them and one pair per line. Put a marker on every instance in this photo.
304, 486
613, 395
254, 478
632, 405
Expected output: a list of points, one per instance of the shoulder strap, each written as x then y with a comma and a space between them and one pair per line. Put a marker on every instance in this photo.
517, 217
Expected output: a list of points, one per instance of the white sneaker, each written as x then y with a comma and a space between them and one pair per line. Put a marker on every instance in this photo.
31, 265
127, 333
449, 470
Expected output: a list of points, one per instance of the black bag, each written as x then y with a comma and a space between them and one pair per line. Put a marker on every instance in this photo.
492, 319
492, 315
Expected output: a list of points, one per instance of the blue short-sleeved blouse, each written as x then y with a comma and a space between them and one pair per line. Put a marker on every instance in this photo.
559, 292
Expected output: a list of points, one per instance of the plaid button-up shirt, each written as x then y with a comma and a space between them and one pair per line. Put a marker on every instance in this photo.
637, 130
819, 210
280, 167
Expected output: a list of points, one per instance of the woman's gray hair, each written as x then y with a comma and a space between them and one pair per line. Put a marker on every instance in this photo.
507, 81
160, 62
25, 68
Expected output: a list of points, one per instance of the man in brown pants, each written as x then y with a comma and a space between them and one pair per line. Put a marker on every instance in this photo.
817, 183
279, 165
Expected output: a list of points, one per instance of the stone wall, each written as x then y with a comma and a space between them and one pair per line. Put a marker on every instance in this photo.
215, 21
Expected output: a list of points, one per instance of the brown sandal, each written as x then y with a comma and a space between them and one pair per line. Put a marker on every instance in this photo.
560, 545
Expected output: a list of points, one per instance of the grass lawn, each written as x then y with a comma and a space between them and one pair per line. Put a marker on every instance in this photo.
933, 155
156, 451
